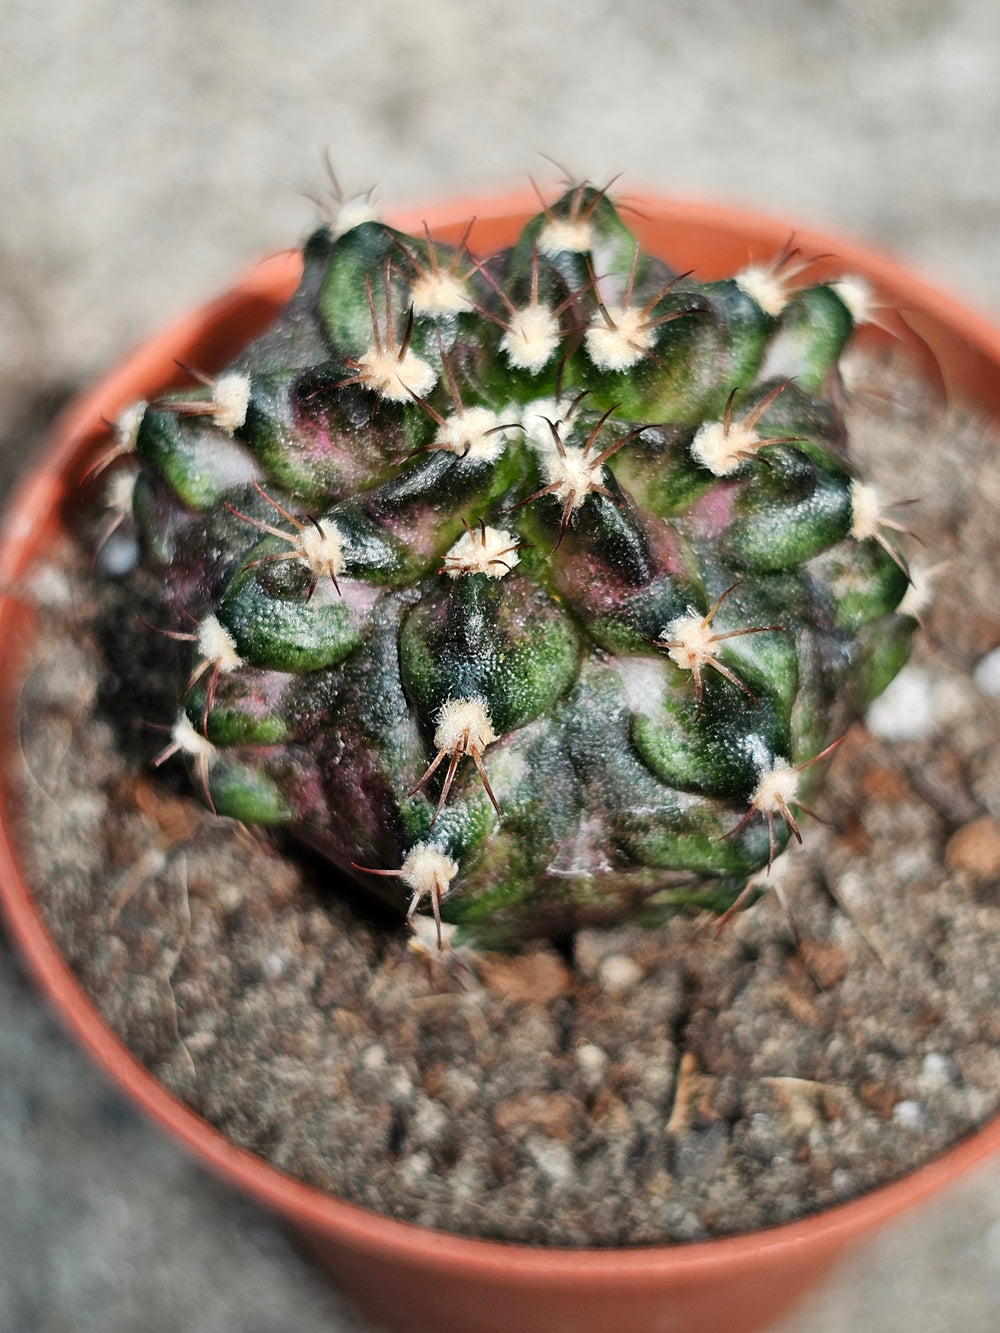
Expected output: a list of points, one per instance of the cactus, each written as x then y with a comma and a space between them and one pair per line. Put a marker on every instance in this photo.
529, 589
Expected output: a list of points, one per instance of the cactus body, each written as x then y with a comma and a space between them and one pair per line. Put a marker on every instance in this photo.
525, 589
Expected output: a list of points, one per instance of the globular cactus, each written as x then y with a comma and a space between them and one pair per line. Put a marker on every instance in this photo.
526, 589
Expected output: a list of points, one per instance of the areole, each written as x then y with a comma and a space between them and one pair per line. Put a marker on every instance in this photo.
401, 1275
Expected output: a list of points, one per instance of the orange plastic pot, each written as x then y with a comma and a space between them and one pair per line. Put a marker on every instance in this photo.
403, 1276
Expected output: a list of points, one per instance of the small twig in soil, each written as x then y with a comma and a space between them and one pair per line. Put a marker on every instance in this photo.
152, 863
685, 1091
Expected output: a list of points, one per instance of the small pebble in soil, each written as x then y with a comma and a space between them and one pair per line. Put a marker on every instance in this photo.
905, 711
987, 674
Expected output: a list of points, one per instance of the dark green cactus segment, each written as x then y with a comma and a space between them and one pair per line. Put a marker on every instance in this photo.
244, 707
617, 537
582, 226
358, 264
717, 897
424, 506
790, 511
717, 751
766, 663
647, 821
158, 517
605, 548
194, 457
276, 623
371, 552
244, 792
320, 444
811, 424
368, 304
359, 708
691, 841
813, 330
534, 581
659, 471
634, 625
866, 584
710, 340
505, 642
881, 650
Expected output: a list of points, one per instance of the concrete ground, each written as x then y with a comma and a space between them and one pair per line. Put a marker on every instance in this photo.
148, 152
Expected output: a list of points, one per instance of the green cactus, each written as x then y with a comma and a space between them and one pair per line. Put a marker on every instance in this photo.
528, 590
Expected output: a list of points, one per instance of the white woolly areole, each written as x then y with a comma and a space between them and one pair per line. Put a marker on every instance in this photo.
620, 347
691, 639
560, 234
857, 296
321, 548
393, 378
119, 490
919, 592
217, 645
777, 785
720, 450
482, 551
532, 337
535, 418
574, 475
466, 433
230, 400
441, 293
765, 286
191, 742
127, 425
428, 870
351, 214
866, 514
463, 725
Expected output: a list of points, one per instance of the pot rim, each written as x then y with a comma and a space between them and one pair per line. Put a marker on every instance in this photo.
961, 338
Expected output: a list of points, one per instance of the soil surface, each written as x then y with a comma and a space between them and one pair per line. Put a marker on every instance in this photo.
641, 1087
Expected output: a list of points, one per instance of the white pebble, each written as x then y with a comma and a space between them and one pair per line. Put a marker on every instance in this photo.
986, 676
374, 1057
618, 973
415, 1169
274, 966
430, 1120
229, 897
554, 1160
118, 556
843, 1183
909, 1114
592, 1061
937, 1071
401, 1084
905, 711
49, 586
466, 1181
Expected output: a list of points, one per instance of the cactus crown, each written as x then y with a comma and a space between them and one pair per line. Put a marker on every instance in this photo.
528, 587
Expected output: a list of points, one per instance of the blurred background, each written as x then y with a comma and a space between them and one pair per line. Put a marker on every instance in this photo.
149, 152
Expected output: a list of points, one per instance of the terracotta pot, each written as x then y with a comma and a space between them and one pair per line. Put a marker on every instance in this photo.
403, 1276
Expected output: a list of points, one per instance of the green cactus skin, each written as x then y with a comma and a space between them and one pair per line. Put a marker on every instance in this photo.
527, 590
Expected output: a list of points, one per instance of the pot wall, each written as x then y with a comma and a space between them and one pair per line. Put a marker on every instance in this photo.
562, 1298
405, 1277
